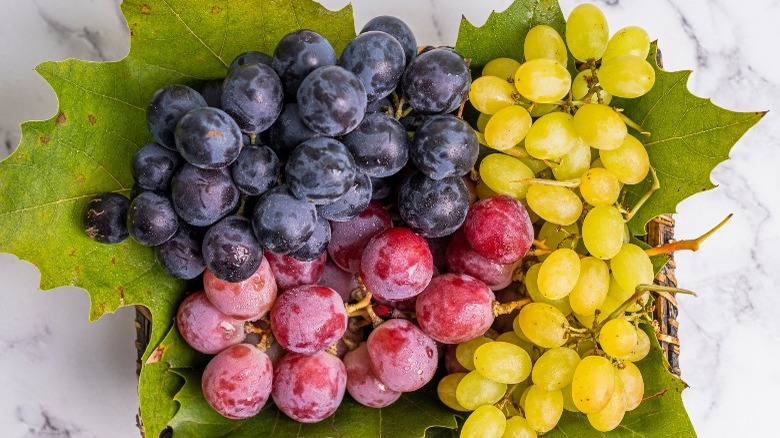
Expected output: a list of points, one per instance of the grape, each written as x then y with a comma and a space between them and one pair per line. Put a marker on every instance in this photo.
543, 324
289, 131
237, 381
402, 356
507, 128
299, 53
573, 164
627, 76
551, 136
531, 277
212, 93
436, 81
182, 254
518, 427
433, 208
512, 338
554, 369
380, 105
230, 249
499, 228
555, 204
544, 42
444, 146
290, 273
568, 401
151, 219
592, 286
556, 236
320, 171
502, 362
307, 319
482, 123
309, 388
489, 94
396, 264
543, 409
377, 59
543, 80
208, 138
282, 222
379, 145
559, 274
618, 337
398, 30
593, 384
351, 203
201, 197
462, 259
256, 170
250, 57
252, 94
168, 105
503, 174
250, 299
629, 162
315, 245
339, 280
105, 218
484, 422
349, 239
632, 267
504, 68
153, 167
464, 352
587, 32
362, 384
580, 88
641, 349
633, 385
331, 101
599, 187
602, 232
204, 327
475, 390
631, 40
611, 415
600, 126
446, 391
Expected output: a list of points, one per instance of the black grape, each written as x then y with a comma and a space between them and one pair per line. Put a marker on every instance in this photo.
377, 59
182, 256
208, 138
151, 219
444, 146
168, 105
255, 170
252, 95
316, 244
282, 222
351, 203
289, 131
203, 196
398, 30
320, 170
433, 208
381, 187
105, 218
379, 145
332, 101
249, 58
153, 167
380, 105
231, 250
298, 54
437, 81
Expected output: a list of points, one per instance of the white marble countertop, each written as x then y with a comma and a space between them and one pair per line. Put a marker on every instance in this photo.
63, 377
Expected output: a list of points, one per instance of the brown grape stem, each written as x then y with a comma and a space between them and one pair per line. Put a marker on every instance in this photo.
688, 244
353, 309
653, 188
399, 110
507, 308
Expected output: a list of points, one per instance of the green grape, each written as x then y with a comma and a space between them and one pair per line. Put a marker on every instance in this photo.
482, 121
627, 76
621, 295
532, 288
543, 409
592, 287
632, 267
609, 417
520, 398
512, 338
483, 191
602, 232
543, 108
587, 32
558, 205
485, 422
633, 385
489, 94
542, 80
641, 349
464, 352
507, 127
593, 384
555, 368
568, 401
481, 137
573, 164
518, 427
556, 236
551, 136
599, 187
544, 325
580, 88
503, 174
600, 126
446, 390
502, 362
544, 42
504, 68
617, 337
631, 40
630, 162
474, 391
536, 166
558, 274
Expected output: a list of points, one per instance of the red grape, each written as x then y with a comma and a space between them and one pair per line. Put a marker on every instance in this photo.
290, 272
462, 259
500, 229
249, 299
307, 319
205, 328
397, 264
339, 280
402, 356
237, 381
348, 239
362, 384
309, 388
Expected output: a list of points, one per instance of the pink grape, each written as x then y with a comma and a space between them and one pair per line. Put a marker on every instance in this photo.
500, 229
397, 264
348, 239
339, 280
455, 308
462, 259
309, 388
362, 384
402, 356
205, 328
237, 381
290, 273
307, 319
249, 299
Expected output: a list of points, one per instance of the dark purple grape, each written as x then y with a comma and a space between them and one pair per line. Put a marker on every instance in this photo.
282, 222
249, 58
379, 105
205, 328
412, 122
437, 81
381, 187
331, 101
351, 203
212, 92
237, 381
154, 166
379, 145
168, 105
433, 208
309, 389
377, 59
201, 197
231, 250
289, 131
105, 218
208, 138
182, 255
315, 245
398, 30
252, 94
320, 170
298, 54
151, 219
256, 170
307, 319
444, 146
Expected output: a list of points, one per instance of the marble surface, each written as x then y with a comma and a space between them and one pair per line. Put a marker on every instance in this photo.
63, 377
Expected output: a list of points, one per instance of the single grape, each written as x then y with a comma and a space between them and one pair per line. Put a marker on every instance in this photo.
237, 381
555, 204
587, 32
544, 42
551, 136
433, 208
484, 422
641, 349
289, 131
256, 170
502, 362
559, 274
499, 229
396, 264
507, 128
201, 197
377, 59
482, 124
230, 249
592, 286
331, 101
489, 94
282, 222
351, 203
543, 409
631, 40
632, 267
504, 68
315, 245
379, 145
204, 327
462, 259
362, 384
307, 319
618, 337
611, 415
290, 273
212, 93
153, 167
543, 80
320, 170
568, 401
600, 126
518, 427
580, 88
208, 138
436, 81
573, 164
629, 162
299, 53
250, 57
182, 254
464, 352
398, 30
602, 232
543, 324
504, 175
593, 384
151, 219
446, 391
250, 299
475, 390
554, 369
599, 187
349, 239
402, 356
633, 385
444, 146
627, 76
252, 94
531, 287
309, 389
105, 218
168, 105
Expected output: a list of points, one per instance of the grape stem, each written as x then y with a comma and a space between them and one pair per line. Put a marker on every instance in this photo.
353, 309
399, 110
653, 188
688, 244
570, 183
516, 151
507, 308
632, 123
640, 291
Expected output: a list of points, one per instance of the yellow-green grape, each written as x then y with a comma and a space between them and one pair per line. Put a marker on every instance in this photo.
543, 108
518, 427
531, 277
630, 162
610, 304
600, 126
543, 409
632, 267
520, 398
617, 337
633, 385
474, 391
580, 88
483, 191
619, 294
507, 127
544, 325
446, 390
573, 164
481, 137
557, 236
512, 338
504, 68
558, 274
482, 121
568, 401
602, 232
555, 204
489, 94
612, 414
631, 40
627, 76
485, 422
503, 174
599, 187
593, 384
544, 42
591, 288
542, 80
551, 136
555, 368
464, 352
502, 362
587, 32
642, 348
